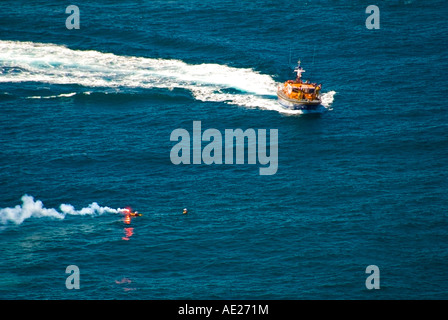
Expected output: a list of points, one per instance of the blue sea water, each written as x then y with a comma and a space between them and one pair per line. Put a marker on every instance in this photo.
85, 122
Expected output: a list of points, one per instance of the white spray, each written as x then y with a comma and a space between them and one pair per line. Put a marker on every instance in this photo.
31, 208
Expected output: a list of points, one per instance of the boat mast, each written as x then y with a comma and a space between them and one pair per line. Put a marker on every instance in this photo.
299, 72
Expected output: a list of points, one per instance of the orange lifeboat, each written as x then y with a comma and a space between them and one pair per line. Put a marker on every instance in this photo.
299, 95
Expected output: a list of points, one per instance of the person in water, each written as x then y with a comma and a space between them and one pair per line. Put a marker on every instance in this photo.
185, 211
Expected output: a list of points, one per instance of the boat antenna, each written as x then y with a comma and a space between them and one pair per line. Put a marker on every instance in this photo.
290, 65
314, 53
290, 55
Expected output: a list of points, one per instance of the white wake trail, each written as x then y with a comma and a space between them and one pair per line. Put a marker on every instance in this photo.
57, 64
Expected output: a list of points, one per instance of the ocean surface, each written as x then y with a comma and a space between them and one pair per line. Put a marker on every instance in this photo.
85, 122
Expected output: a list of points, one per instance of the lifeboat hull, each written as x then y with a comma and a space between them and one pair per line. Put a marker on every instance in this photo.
296, 104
